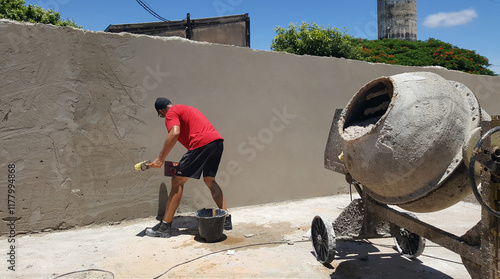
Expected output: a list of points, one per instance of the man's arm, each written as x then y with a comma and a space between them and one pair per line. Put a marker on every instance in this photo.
170, 141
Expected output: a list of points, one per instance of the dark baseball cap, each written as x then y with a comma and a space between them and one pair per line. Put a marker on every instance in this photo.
161, 103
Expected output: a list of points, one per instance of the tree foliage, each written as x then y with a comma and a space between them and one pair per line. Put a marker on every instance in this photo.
424, 53
311, 39
17, 10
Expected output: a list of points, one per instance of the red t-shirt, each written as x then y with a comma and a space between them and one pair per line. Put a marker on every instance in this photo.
196, 130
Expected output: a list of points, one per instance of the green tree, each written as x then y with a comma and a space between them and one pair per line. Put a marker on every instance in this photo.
311, 39
17, 10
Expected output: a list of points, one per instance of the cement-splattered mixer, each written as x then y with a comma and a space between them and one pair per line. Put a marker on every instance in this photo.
422, 143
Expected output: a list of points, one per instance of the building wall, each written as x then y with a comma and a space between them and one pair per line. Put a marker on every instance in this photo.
77, 114
230, 34
230, 30
397, 19
168, 33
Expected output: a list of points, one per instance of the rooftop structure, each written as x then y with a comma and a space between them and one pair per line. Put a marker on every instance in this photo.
230, 30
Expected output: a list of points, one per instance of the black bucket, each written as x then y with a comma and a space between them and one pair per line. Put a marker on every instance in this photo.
211, 223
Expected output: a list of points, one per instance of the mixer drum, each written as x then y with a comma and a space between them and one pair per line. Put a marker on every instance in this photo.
402, 139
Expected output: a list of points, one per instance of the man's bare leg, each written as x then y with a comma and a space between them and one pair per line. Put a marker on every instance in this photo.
164, 228
174, 198
218, 197
216, 192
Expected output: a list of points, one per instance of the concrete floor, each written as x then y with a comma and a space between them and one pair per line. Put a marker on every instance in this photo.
267, 242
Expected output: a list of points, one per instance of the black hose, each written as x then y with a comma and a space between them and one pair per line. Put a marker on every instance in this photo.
86, 270
224, 250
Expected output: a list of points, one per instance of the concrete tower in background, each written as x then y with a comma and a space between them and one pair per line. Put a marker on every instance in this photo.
397, 19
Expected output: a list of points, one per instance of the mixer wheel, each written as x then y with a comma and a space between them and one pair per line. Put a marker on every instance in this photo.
409, 244
323, 239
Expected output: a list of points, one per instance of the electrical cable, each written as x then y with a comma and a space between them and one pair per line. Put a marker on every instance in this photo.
85, 270
224, 250
209, 254
191, 260
150, 10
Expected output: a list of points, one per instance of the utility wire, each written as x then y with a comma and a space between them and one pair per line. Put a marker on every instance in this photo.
188, 261
224, 250
149, 10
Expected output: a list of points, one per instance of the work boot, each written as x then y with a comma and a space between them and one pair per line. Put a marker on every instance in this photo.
162, 229
228, 225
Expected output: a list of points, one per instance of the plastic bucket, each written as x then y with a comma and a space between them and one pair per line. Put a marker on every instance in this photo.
211, 223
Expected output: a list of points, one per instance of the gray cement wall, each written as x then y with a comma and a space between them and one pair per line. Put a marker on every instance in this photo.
76, 110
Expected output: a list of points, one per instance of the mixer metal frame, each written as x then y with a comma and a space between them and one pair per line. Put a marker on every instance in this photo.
366, 218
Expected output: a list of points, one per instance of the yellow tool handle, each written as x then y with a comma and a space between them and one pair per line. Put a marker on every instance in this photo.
142, 166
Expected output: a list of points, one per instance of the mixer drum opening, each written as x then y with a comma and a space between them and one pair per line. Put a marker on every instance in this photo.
370, 104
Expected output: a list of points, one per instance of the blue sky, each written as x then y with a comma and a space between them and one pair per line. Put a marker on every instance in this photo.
469, 24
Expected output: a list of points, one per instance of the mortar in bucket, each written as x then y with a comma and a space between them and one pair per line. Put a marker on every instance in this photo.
211, 223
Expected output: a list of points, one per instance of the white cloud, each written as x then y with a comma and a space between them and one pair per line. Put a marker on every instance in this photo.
450, 19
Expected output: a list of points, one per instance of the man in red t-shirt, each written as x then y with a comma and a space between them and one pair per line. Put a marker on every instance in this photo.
204, 144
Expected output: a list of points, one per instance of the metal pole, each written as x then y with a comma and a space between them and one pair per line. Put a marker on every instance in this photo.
188, 27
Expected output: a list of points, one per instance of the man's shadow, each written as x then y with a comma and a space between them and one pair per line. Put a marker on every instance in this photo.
181, 224
162, 201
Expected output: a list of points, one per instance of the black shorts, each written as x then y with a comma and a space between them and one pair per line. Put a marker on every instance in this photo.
204, 160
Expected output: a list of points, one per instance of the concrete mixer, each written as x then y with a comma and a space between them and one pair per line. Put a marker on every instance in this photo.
422, 143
